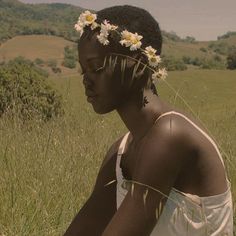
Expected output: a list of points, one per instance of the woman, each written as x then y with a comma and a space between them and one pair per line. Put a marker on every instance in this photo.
170, 176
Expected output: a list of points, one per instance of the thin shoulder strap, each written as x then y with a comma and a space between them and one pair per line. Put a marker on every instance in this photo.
164, 114
119, 175
198, 128
122, 144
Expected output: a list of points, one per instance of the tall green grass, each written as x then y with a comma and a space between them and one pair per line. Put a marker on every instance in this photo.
48, 169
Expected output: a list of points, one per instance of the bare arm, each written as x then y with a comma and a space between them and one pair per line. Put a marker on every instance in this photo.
159, 163
93, 216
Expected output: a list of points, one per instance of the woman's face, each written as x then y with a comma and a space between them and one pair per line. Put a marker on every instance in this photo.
102, 87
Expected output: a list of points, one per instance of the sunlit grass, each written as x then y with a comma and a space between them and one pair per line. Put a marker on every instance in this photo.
48, 170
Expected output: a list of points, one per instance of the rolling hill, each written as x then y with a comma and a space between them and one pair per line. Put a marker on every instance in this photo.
17, 18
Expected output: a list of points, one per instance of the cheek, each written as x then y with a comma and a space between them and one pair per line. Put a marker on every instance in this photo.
111, 90
109, 100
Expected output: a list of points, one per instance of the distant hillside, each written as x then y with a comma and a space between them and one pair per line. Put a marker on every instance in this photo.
181, 48
17, 18
205, 54
47, 48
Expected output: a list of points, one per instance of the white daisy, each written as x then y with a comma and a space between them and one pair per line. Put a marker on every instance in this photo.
131, 40
79, 28
103, 39
160, 74
150, 51
87, 18
125, 38
106, 27
94, 25
154, 60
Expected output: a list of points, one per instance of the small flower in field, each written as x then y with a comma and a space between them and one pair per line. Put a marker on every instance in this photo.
154, 61
160, 74
131, 40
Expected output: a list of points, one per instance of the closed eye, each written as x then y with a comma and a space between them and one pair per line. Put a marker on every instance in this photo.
91, 71
99, 69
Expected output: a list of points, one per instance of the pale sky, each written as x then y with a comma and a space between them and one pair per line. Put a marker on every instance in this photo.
202, 19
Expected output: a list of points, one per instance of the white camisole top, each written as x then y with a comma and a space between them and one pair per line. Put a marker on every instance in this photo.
184, 213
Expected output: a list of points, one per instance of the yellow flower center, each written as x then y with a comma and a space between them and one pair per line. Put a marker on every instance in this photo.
153, 59
151, 53
134, 41
128, 37
89, 18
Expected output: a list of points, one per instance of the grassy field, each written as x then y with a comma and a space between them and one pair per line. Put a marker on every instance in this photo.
48, 170
33, 46
36, 46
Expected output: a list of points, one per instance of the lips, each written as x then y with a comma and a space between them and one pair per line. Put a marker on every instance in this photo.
91, 96
90, 93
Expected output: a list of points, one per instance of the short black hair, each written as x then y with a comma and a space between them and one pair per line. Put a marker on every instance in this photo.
134, 19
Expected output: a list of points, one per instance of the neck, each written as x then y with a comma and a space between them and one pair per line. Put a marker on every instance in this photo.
140, 120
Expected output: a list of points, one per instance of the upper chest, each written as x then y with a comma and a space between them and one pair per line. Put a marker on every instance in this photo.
202, 153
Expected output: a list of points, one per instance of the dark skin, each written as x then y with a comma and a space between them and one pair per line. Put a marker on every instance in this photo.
168, 153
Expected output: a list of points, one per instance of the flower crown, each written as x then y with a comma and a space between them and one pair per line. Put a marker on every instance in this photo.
128, 39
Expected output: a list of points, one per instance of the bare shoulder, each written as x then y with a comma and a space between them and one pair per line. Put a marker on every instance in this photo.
184, 128
167, 144
184, 141
172, 130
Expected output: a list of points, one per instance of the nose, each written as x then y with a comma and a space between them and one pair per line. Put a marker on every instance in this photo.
88, 83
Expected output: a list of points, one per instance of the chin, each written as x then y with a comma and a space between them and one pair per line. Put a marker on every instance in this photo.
103, 109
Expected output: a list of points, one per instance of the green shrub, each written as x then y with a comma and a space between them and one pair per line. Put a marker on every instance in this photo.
173, 64
171, 36
25, 92
189, 39
203, 49
215, 63
69, 63
231, 60
52, 63
56, 70
227, 35
39, 62
187, 60
196, 61
70, 57
22, 60
219, 47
